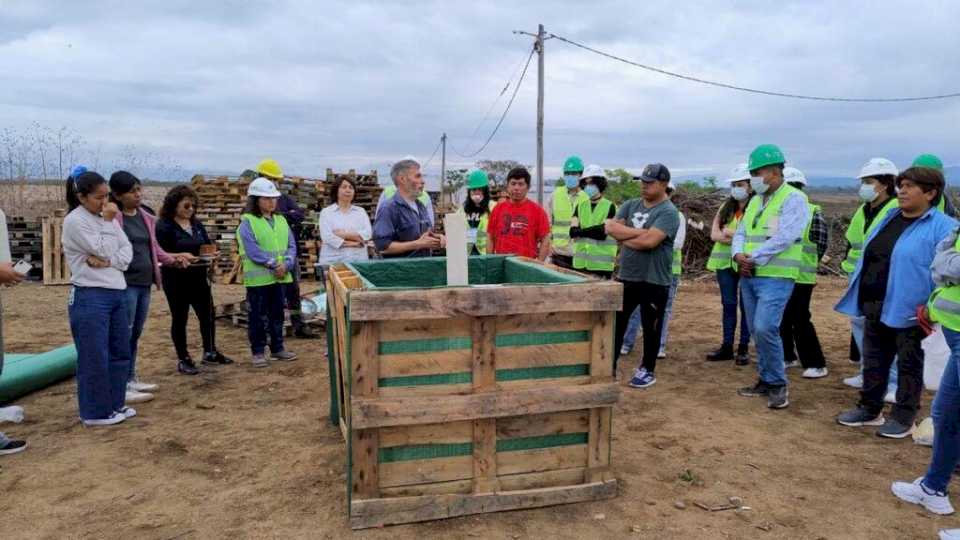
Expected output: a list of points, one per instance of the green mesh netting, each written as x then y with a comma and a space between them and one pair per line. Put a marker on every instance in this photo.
432, 451
430, 272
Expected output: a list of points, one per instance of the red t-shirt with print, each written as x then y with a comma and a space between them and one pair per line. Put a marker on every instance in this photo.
516, 229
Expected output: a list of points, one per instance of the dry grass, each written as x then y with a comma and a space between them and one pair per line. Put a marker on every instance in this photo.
32, 200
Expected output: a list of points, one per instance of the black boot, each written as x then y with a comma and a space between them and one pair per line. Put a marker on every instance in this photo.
216, 357
743, 355
725, 352
187, 367
300, 328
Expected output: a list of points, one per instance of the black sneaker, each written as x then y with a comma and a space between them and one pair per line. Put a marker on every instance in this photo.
859, 417
892, 429
12, 447
725, 352
216, 358
778, 397
758, 390
304, 332
187, 367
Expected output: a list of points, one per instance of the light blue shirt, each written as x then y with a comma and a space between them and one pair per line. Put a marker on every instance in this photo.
909, 283
792, 221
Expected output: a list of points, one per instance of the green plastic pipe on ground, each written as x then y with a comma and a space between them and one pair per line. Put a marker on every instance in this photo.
25, 373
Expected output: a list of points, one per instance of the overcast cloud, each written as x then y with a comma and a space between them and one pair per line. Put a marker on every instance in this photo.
218, 85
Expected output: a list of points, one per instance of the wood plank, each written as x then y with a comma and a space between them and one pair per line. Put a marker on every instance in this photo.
485, 467
47, 244
510, 482
453, 432
598, 444
374, 305
483, 337
364, 358
484, 354
427, 390
559, 321
561, 354
365, 480
400, 411
542, 459
377, 512
527, 384
601, 346
401, 330
423, 471
428, 363
365, 445
537, 425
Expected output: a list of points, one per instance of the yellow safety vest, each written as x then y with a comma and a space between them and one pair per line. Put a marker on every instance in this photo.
562, 214
785, 264
808, 271
589, 254
944, 304
721, 256
273, 240
856, 235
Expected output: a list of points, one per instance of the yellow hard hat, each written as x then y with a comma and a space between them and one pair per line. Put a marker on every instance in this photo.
270, 168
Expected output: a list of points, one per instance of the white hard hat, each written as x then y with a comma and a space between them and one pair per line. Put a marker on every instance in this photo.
262, 187
594, 170
878, 166
740, 172
793, 174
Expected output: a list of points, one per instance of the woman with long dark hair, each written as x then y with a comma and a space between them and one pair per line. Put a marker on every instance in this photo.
477, 210
721, 232
98, 253
188, 284
344, 227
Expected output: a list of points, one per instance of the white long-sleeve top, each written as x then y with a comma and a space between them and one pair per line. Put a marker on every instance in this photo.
331, 219
86, 234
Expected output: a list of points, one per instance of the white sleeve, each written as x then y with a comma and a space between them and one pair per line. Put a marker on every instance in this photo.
681, 233
326, 231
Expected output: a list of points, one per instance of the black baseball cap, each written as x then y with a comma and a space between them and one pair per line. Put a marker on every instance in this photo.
654, 172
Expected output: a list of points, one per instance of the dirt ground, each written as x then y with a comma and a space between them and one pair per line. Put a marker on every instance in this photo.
239, 453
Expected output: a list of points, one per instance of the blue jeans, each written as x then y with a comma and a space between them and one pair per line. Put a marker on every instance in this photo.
764, 299
946, 420
138, 307
856, 327
98, 322
266, 317
633, 327
729, 282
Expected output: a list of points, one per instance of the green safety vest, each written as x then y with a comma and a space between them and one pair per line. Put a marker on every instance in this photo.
721, 256
590, 254
562, 214
390, 191
482, 239
942, 205
787, 263
808, 271
944, 304
856, 235
273, 240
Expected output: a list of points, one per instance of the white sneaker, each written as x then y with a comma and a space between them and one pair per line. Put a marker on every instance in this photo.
624, 351
661, 355
137, 397
815, 373
114, 418
856, 381
138, 386
949, 534
917, 493
792, 364
128, 412
891, 396
12, 413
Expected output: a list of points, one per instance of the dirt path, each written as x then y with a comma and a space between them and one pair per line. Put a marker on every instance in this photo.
238, 453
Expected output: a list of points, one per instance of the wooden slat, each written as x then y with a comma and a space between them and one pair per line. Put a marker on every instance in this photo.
394, 330
598, 444
453, 432
601, 346
399, 411
510, 482
427, 390
536, 425
377, 512
423, 471
379, 305
506, 386
428, 363
559, 321
364, 442
563, 354
483, 334
542, 459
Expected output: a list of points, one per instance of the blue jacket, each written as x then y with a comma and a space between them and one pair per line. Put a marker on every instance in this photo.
909, 269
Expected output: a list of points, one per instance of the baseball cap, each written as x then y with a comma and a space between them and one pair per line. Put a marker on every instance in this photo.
654, 172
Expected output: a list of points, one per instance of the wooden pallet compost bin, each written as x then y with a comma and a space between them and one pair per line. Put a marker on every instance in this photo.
463, 400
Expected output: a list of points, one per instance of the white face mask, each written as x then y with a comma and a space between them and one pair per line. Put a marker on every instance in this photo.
867, 193
739, 193
478, 198
756, 182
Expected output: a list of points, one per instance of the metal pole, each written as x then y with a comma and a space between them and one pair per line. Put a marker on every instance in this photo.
443, 164
540, 116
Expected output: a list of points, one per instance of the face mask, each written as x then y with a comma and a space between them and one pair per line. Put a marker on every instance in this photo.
756, 182
739, 193
477, 198
591, 190
571, 180
867, 193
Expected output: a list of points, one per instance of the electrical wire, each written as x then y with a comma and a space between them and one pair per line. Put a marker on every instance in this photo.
433, 155
493, 105
502, 116
753, 90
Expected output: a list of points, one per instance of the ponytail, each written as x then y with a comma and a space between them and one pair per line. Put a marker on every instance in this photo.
82, 185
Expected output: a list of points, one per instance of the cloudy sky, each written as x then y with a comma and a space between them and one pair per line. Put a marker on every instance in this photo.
215, 86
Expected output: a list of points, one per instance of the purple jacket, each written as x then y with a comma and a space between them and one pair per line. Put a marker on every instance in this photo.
157, 253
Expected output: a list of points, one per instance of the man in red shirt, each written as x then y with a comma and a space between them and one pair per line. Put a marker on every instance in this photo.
519, 226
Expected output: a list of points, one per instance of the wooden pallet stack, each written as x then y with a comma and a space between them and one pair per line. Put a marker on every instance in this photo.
26, 242
56, 271
221, 199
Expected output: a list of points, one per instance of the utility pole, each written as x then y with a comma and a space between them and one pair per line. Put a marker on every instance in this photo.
539, 47
443, 164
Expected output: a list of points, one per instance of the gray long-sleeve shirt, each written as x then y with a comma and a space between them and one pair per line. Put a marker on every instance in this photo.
945, 269
86, 234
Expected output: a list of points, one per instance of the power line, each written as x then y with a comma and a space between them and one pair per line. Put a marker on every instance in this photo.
502, 116
433, 155
506, 87
753, 90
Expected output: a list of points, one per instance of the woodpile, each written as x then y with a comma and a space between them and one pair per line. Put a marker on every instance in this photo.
26, 242
368, 190
221, 201
56, 271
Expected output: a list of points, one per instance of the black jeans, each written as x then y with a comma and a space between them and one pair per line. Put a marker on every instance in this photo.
291, 297
797, 331
880, 344
266, 317
652, 300
184, 289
